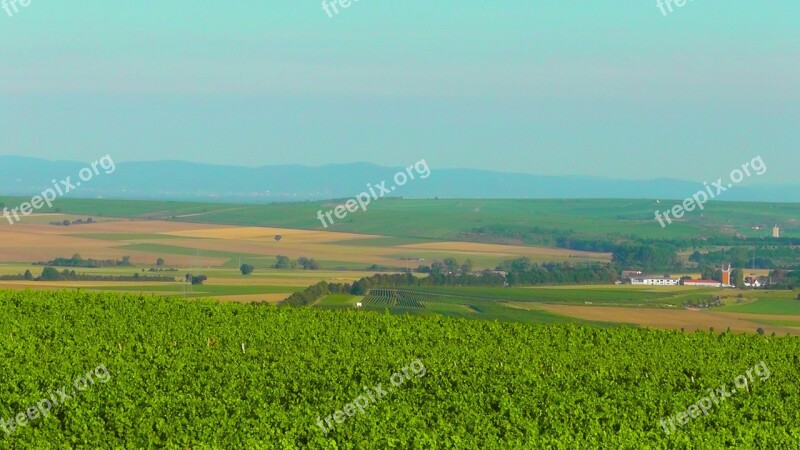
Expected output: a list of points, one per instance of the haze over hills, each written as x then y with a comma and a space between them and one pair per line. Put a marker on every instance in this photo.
180, 180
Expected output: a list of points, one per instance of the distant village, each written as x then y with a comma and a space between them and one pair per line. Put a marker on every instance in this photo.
635, 277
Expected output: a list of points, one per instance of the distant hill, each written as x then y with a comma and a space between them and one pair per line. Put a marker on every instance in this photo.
179, 180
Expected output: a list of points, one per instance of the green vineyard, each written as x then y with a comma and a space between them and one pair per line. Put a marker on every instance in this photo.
200, 374
393, 298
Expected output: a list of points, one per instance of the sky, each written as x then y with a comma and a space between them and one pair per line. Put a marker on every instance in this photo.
613, 89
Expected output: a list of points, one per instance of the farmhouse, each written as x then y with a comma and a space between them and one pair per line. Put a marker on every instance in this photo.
628, 275
702, 283
755, 281
655, 281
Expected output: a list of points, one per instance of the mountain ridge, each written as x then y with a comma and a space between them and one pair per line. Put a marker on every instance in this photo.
187, 180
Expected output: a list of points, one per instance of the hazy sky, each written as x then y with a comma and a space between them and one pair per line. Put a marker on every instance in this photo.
570, 87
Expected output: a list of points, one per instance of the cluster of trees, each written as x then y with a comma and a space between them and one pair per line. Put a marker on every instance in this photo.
560, 273
766, 257
77, 261
546, 237
284, 262
67, 223
647, 256
784, 279
520, 271
52, 274
27, 276
448, 266
309, 295
736, 241
196, 280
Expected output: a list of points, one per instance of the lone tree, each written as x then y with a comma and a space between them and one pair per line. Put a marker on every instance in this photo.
738, 278
160, 262
278, 237
247, 269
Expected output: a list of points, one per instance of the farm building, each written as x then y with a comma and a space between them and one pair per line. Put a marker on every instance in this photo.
631, 273
702, 283
755, 281
655, 281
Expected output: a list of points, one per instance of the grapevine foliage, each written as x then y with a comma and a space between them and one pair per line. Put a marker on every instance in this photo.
200, 374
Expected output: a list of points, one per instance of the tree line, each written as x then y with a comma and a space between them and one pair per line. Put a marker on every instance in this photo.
77, 261
521, 272
52, 274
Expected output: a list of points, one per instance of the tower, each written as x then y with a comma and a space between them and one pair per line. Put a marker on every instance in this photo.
776, 231
726, 274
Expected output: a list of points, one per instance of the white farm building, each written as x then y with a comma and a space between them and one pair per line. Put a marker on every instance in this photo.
655, 281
